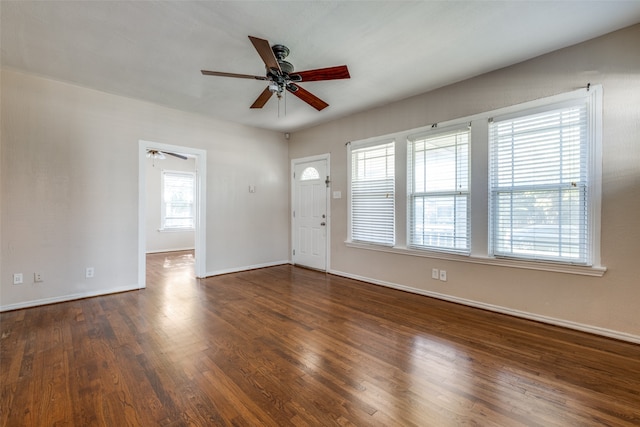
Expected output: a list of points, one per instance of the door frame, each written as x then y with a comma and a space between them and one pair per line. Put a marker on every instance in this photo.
200, 232
294, 162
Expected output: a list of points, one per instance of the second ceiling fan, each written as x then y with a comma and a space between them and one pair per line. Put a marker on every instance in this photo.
281, 76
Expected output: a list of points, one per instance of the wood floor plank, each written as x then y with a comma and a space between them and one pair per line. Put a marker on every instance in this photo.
286, 346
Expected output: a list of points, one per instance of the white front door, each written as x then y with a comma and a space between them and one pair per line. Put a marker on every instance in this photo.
310, 214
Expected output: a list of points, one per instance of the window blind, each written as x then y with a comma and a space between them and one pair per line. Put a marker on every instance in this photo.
438, 183
373, 194
538, 185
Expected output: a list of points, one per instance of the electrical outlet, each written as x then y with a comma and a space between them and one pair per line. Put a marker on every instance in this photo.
37, 277
17, 279
90, 272
443, 275
435, 274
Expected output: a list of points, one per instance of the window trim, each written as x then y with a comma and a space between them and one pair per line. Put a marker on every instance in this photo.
594, 271
479, 169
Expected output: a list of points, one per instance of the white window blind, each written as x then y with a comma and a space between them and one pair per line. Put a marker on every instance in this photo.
539, 207
438, 183
177, 200
373, 194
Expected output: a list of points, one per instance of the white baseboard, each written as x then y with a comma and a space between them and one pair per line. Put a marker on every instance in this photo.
623, 336
65, 298
246, 268
159, 251
71, 297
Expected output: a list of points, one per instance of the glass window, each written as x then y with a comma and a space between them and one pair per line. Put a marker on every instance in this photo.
373, 194
309, 173
539, 191
177, 200
438, 183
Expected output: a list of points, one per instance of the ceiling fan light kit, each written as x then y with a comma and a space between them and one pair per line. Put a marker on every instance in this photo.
281, 76
155, 155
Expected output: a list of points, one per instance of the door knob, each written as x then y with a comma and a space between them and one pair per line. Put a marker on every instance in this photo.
323, 223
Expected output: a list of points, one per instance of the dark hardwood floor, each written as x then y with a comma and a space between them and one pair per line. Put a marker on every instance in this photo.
286, 346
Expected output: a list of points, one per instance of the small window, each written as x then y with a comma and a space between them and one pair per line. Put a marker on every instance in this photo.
309, 173
177, 200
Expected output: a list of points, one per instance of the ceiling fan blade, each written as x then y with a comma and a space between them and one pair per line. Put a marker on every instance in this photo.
262, 99
180, 156
307, 97
265, 52
329, 73
239, 76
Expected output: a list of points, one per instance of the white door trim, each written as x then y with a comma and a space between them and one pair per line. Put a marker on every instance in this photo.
294, 163
201, 206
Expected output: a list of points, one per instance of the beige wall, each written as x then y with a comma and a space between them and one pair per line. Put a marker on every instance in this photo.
608, 304
163, 241
69, 171
69, 188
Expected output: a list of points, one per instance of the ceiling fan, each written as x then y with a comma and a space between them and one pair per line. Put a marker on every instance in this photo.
160, 155
280, 75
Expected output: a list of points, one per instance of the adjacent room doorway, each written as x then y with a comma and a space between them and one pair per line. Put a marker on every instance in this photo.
310, 219
200, 204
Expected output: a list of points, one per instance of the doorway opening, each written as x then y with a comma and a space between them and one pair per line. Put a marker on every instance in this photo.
198, 216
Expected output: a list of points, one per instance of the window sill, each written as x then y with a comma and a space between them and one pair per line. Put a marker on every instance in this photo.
175, 230
474, 259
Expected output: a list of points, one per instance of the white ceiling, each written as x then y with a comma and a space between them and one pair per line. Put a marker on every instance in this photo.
154, 50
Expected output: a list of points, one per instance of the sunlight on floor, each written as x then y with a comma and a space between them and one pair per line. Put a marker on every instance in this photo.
172, 274
182, 260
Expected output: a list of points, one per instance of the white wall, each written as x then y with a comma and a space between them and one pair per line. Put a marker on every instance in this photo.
69, 188
608, 304
164, 241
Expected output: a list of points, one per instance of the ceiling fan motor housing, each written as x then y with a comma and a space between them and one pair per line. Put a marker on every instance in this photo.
286, 67
281, 51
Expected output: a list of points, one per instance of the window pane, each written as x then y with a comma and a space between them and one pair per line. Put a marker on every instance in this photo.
541, 224
309, 173
440, 222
